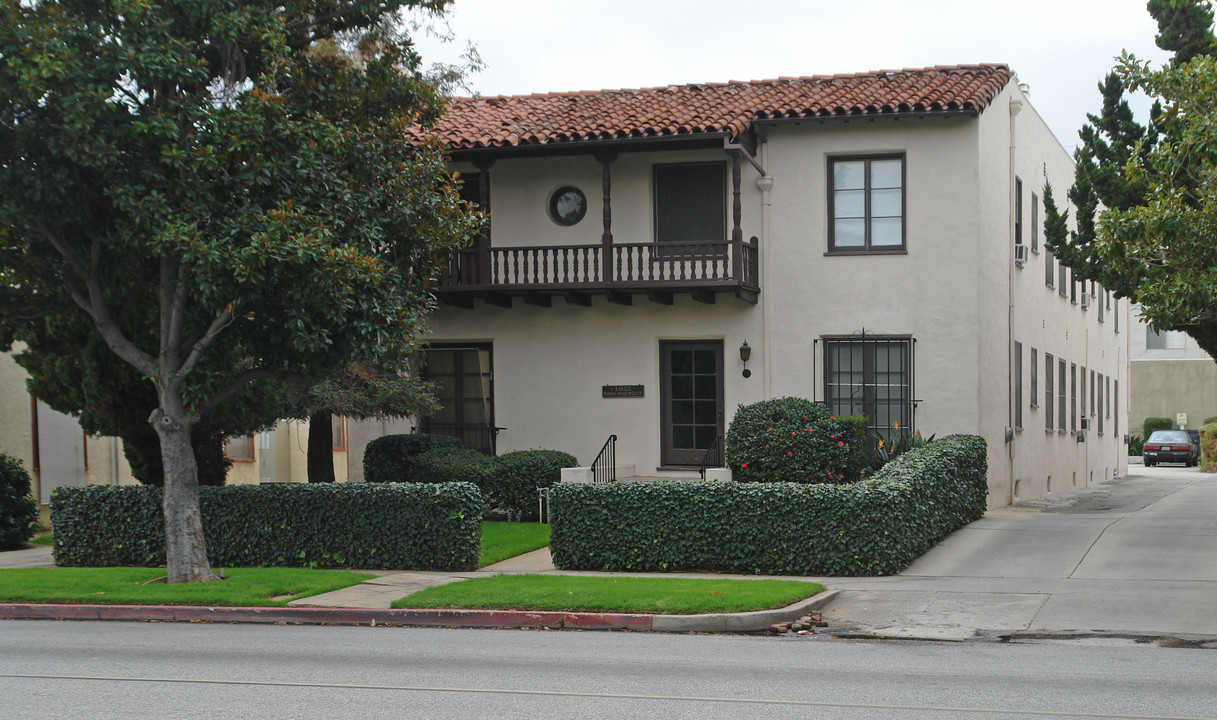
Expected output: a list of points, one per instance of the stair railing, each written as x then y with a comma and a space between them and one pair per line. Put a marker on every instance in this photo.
713, 456
604, 469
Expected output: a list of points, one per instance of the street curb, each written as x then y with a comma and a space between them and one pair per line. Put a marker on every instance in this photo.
716, 622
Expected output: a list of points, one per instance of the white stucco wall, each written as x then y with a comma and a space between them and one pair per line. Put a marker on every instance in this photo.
956, 291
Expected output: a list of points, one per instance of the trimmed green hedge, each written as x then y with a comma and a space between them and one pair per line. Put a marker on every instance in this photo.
517, 475
874, 527
391, 458
1156, 423
352, 525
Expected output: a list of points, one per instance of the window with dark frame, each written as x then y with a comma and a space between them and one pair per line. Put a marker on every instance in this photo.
1115, 413
463, 375
1035, 223
691, 207
1035, 387
1100, 414
1018, 210
866, 202
1018, 385
1049, 270
872, 378
1049, 371
1062, 280
1082, 394
1092, 393
1073, 397
1061, 388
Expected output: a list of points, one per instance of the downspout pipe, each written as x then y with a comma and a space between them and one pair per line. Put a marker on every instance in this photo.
1016, 106
765, 184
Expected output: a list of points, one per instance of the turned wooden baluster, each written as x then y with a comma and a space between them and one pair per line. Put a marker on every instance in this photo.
606, 239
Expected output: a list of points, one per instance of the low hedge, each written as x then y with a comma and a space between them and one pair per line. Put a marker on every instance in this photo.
873, 527
391, 458
341, 525
517, 475
1156, 423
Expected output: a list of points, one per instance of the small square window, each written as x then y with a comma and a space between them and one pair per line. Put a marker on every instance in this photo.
866, 204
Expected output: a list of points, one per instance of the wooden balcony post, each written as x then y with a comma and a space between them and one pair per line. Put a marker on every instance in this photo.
481, 274
606, 239
737, 233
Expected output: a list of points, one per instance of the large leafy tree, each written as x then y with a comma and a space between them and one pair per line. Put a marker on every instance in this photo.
1124, 169
224, 204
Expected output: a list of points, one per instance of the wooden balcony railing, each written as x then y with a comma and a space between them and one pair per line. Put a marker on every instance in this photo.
622, 268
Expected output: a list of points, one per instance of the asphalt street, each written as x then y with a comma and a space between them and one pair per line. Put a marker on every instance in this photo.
53, 670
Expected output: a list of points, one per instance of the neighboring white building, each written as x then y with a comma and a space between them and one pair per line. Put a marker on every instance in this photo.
1170, 376
858, 232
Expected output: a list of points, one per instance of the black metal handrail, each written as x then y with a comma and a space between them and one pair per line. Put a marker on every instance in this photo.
604, 468
713, 456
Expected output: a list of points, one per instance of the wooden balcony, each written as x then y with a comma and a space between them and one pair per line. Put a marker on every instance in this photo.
619, 271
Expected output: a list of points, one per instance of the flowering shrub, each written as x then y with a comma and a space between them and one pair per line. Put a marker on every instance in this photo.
790, 440
890, 449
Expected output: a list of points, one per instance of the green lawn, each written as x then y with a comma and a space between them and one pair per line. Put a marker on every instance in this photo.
665, 596
502, 540
124, 586
43, 540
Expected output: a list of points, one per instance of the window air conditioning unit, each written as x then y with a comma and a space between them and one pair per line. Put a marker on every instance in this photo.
1085, 300
1021, 254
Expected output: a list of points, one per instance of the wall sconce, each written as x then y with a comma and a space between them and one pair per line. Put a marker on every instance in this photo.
745, 352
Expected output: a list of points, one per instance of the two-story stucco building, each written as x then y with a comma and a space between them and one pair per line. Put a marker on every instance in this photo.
860, 234
656, 258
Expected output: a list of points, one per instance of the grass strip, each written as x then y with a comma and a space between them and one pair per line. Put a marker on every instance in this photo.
663, 596
502, 540
47, 540
268, 587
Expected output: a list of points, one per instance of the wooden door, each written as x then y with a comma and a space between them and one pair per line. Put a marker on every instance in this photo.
691, 389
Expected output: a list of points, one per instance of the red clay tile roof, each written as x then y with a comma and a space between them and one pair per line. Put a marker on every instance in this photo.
506, 121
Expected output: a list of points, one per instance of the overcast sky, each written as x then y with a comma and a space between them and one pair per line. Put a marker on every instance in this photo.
1060, 49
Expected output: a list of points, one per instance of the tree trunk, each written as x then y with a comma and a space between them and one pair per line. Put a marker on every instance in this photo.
185, 546
320, 448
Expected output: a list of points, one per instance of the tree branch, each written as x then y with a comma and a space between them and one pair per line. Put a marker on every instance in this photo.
209, 338
94, 303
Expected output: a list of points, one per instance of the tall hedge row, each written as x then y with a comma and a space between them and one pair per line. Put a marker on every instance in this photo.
874, 527
354, 525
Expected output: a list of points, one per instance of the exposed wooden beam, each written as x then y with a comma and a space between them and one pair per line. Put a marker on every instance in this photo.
538, 299
746, 295
619, 298
578, 298
662, 297
460, 301
703, 296
498, 300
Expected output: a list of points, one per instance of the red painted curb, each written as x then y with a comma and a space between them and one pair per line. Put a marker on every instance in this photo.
329, 616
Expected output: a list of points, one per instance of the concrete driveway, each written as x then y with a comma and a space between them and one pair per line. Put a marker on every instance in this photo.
1136, 556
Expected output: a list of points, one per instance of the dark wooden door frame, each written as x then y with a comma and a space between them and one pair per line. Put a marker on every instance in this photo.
669, 455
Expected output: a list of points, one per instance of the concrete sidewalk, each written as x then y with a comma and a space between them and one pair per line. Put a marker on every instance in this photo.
1133, 557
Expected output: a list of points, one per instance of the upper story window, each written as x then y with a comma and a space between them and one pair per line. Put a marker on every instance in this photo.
691, 203
1018, 211
1035, 223
1164, 339
866, 204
